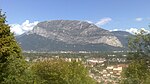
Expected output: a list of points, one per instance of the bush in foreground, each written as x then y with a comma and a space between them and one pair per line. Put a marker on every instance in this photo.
61, 72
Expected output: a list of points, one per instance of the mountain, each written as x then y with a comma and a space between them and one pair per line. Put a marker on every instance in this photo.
69, 35
123, 37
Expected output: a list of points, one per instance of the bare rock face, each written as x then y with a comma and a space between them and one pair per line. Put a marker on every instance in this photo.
75, 32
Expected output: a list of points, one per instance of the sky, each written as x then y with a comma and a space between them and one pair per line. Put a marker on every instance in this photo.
113, 15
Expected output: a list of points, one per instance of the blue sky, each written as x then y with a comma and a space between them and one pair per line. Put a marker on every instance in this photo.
110, 14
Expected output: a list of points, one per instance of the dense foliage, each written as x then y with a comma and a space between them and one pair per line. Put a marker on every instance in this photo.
61, 72
138, 71
13, 67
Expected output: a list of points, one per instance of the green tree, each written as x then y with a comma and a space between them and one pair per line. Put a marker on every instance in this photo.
12, 64
141, 45
61, 72
138, 69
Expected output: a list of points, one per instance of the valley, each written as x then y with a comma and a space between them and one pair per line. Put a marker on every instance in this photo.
104, 67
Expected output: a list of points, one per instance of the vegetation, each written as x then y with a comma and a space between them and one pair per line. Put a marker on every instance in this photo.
138, 70
15, 70
56, 71
13, 67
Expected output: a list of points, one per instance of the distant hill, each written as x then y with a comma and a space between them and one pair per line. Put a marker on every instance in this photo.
123, 37
71, 35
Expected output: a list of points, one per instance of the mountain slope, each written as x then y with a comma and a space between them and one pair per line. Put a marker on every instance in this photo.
123, 37
75, 32
66, 35
34, 42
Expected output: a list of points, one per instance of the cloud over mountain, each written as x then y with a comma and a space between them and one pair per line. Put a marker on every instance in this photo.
19, 29
132, 30
136, 30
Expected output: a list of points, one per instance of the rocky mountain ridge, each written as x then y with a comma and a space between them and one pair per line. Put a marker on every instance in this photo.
75, 32
69, 35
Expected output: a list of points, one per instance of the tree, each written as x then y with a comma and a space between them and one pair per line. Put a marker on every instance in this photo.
138, 71
58, 71
141, 45
13, 67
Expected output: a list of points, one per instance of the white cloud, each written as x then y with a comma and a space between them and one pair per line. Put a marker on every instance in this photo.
145, 30
18, 29
136, 30
103, 21
89, 21
132, 30
138, 19
116, 30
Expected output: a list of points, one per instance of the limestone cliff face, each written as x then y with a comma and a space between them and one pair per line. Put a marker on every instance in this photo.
75, 32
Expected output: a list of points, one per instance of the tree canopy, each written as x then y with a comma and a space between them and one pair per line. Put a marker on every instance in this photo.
62, 72
138, 71
13, 67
